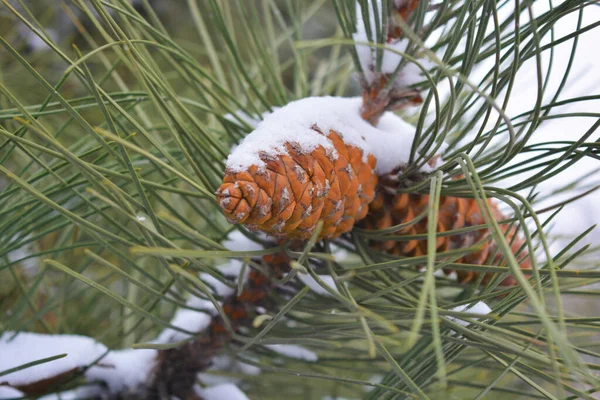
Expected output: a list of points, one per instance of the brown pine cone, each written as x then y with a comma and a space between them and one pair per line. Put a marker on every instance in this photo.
293, 192
454, 213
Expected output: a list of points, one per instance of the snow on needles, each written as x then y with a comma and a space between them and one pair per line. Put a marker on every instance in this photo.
196, 321
224, 391
309, 281
28, 347
367, 55
7, 392
479, 308
293, 351
237, 241
124, 371
293, 124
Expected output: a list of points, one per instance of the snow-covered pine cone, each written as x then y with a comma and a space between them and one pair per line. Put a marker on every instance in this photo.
454, 213
292, 192
315, 159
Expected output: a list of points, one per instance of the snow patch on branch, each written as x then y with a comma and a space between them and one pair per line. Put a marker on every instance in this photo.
390, 59
235, 369
309, 281
28, 347
24, 254
227, 391
479, 308
294, 351
124, 371
390, 142
6, 392
189, 320
235, 241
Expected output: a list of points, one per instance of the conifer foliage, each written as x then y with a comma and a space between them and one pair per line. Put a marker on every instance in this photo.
293, 199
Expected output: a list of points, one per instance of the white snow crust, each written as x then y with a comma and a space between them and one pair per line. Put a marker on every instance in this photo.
124, 370
79, 393
189, 320
309, 281
6, 392
479, 308
121, 370
27, 347
29, 264
195, 321
225, 391
293, 351
235, 241
390, 142
235, 370
367, 55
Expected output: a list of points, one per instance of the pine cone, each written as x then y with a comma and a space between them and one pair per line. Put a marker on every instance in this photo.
454, 213
293, 192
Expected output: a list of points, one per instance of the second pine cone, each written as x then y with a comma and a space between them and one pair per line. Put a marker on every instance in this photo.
388, 210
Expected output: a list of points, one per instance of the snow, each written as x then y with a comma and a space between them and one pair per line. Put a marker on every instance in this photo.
230, 269
234, 370
375, 379
76, 394
189, 320
196, 321
387, 159
202, 304
293, 351
23, 254
124, 370
227, 391
293, 124
479, 308
35, 42
220, 288
583, 81
28, 347
339, 253
9, 393
367, 55
237, 241
309, 281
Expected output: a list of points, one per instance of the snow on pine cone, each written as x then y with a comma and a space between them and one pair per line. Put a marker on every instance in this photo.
313, 160
388, 210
